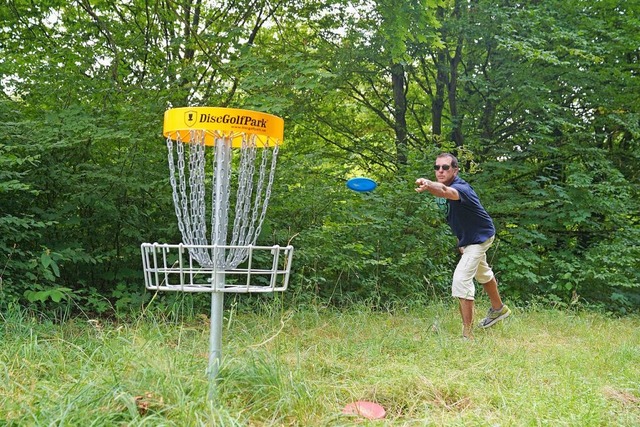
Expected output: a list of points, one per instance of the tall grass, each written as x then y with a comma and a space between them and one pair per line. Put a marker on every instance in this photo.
301, 367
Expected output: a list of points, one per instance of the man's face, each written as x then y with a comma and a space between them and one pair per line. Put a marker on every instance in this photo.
445, 173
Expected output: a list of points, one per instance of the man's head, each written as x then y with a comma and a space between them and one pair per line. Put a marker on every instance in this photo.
446, 168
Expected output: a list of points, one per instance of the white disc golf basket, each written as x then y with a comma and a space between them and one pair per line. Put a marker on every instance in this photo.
218, 254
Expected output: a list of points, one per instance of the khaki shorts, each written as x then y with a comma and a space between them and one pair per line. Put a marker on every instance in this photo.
472, 265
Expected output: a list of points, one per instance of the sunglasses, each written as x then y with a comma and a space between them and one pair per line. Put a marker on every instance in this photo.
444, 167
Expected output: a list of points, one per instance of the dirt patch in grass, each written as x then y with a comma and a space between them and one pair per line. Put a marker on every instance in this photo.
624, 397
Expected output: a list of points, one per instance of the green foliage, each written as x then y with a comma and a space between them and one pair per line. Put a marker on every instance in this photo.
542, 94
383, 246
563, 191
577, 220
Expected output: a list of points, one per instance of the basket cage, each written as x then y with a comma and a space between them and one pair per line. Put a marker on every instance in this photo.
170, 267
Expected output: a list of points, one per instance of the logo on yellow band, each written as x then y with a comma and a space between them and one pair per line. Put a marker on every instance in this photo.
218, 122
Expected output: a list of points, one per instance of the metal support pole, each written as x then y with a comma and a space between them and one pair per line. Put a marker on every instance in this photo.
219, 229
215, 337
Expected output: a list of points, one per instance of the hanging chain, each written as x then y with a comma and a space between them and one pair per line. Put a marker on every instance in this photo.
252, 196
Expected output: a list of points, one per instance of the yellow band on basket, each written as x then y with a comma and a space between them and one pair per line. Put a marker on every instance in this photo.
220, 122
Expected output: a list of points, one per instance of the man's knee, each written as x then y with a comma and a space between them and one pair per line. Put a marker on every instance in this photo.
463, 289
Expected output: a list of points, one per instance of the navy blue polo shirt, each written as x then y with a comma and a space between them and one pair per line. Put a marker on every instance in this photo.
467, 218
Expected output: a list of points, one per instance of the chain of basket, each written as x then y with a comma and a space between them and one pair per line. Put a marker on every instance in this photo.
189, 202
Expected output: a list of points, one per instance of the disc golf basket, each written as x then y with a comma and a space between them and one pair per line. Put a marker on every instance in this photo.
220, 204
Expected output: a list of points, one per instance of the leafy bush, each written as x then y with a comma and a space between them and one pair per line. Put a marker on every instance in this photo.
568, 231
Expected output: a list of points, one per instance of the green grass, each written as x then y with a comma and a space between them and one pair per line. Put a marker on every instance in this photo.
539, 367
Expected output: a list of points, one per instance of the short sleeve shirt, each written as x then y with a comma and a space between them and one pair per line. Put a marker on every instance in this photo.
467, 218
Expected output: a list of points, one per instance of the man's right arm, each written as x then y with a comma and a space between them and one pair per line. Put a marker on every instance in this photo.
437, 189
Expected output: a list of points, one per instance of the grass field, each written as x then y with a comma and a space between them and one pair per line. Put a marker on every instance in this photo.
300, 368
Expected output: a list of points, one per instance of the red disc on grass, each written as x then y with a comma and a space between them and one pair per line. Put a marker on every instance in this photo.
368, 410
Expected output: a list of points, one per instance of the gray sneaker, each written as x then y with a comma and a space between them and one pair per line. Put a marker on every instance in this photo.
494, 316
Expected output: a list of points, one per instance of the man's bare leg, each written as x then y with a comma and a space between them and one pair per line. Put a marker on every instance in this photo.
466, 311
491, 288
498, 311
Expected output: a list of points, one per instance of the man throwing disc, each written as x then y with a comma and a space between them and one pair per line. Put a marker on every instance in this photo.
475, 231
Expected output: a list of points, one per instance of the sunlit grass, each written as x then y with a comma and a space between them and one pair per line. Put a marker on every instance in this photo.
301, 367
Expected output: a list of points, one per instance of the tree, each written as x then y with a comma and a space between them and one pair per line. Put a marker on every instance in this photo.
91, 81
540, 97
541, 85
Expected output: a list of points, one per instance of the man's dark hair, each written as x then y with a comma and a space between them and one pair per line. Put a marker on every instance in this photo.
454, 161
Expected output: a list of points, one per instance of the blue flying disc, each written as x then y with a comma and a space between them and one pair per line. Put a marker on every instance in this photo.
361, 184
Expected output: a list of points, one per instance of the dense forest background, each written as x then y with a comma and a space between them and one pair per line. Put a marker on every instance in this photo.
538, 99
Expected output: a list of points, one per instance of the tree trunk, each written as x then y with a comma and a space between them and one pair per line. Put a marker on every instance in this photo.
399, 113
454, 62
437, 105
456, 119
